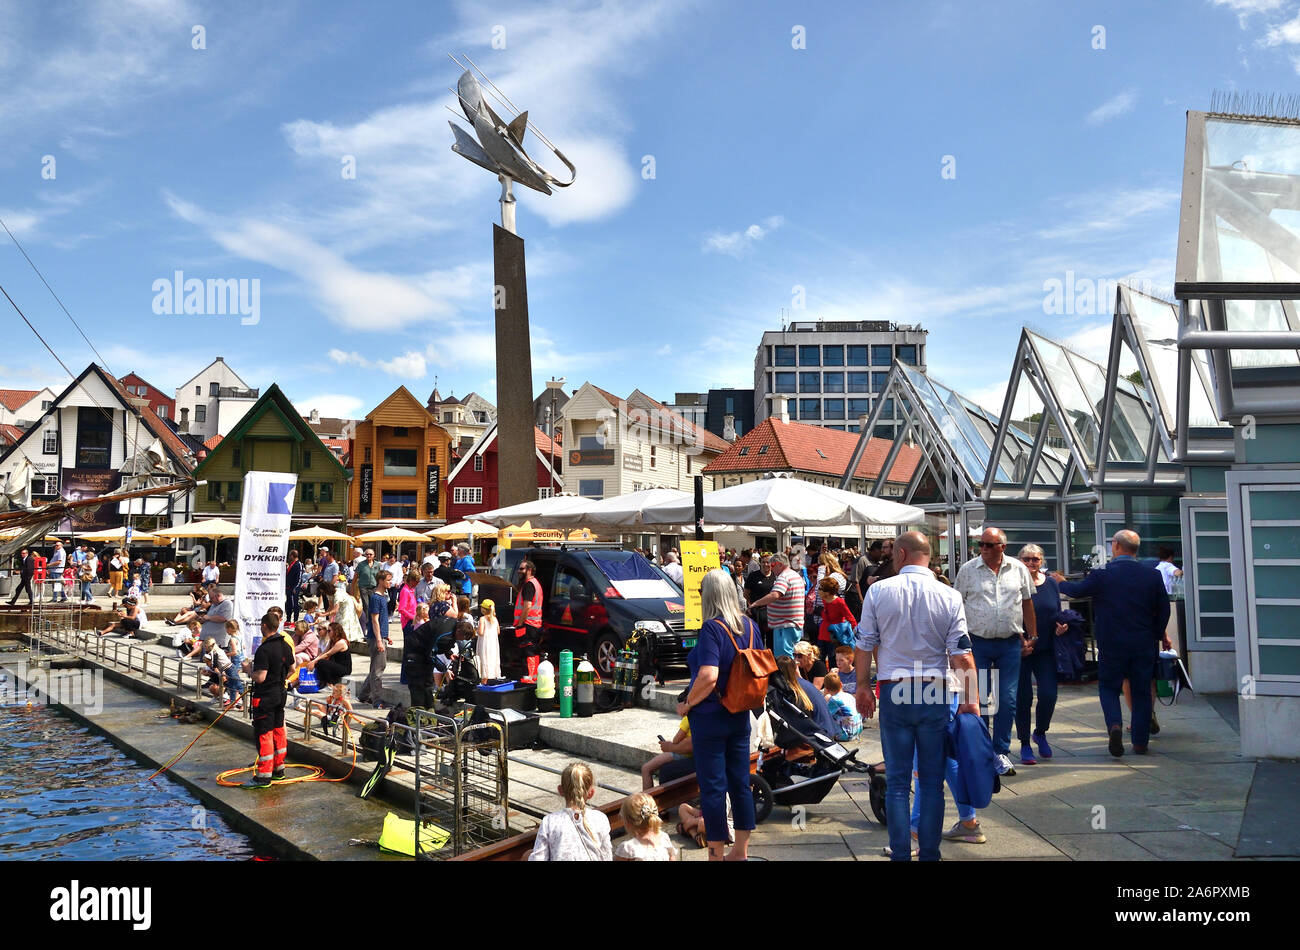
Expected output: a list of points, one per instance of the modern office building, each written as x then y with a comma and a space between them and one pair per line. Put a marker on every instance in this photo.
832, 373
727, 413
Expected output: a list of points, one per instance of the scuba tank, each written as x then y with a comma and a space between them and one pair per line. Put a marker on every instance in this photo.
565, 682
626, 676
545, 685
584, 688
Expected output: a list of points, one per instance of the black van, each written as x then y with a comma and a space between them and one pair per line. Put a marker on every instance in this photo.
593, 598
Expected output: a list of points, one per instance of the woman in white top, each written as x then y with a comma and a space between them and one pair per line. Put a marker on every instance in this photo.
169, 575
488, 645
347, 611
576, 832
828, 565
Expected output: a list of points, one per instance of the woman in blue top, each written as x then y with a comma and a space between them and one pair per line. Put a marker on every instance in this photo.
720, 738
1040, 661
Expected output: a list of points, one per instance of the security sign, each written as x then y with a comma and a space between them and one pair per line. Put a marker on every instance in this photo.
698, 558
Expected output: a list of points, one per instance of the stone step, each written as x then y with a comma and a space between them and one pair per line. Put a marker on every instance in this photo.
626, 738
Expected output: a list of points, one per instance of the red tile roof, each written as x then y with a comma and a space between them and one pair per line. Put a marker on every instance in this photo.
9, 434
15, 399
544, 443
773, 446
175, 444
212, 442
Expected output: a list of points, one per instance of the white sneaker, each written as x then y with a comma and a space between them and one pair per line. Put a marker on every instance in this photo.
1004, 766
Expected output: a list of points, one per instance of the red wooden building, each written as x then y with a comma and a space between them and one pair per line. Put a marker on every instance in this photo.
473, 483
164, 406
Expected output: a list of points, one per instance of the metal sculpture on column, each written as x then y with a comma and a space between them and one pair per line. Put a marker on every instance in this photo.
500, 149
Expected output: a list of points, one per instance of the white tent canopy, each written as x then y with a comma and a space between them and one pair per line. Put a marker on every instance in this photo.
212, 528
463, 529
545, 511
783, 503
623, 511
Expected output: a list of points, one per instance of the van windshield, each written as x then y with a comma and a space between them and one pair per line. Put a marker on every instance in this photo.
633, 576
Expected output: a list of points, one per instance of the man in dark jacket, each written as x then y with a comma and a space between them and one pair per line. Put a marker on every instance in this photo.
418, 659
1130, 610
25, 580
292, 581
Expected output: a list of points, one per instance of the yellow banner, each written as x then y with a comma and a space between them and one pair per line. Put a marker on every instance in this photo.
698, 558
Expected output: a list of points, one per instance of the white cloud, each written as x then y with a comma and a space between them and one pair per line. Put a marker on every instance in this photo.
330, 404
1092, 341
737, 243
1112, 108
1109, 210
409, 365
1288, 32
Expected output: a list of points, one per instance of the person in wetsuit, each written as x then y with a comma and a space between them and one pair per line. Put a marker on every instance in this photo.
272, 664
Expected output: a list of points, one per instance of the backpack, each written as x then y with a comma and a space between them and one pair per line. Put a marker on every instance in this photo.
747, 680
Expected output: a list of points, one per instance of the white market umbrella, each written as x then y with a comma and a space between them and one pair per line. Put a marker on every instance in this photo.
462, 529
542, 513
783, 503
212, 528
119, 535
316, 533
393, 534
624, 511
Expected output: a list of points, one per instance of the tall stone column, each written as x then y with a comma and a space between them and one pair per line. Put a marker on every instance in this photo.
516, 448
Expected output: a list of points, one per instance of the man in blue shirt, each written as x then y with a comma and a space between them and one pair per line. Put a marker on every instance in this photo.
1130, 611
377, 637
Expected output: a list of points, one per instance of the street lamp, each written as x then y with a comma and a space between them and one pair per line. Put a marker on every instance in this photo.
555, 386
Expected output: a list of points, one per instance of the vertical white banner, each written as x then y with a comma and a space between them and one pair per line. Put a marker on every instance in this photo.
263, 545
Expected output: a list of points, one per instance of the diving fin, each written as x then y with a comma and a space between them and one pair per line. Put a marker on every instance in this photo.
381, 769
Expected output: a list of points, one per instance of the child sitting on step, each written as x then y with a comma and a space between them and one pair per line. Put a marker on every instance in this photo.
645, 840
842, 707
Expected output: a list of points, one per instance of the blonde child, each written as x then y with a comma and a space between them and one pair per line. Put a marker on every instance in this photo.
575, 832
645, 840
488, 646
842, 708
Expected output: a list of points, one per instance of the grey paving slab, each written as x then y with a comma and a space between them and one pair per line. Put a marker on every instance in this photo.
1099, 846
802, 852
1223, 826
1181, 845
1269, 828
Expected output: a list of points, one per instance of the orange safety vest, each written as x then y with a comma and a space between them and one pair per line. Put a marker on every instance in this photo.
534, 618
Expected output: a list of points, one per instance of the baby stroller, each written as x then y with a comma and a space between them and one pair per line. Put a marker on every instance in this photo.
461, 675
804, 764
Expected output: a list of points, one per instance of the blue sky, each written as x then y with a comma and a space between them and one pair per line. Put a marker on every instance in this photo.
775, 168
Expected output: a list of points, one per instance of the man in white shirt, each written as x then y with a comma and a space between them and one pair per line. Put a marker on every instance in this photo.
211, 572
55, 569
672, 568
998, 595
914, 629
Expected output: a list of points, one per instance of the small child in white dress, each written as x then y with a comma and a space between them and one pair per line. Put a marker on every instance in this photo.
489, 645
646, 840
575, 832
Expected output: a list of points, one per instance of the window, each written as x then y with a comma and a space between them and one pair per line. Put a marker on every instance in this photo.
810, 408
200, 413
446, 417
762, 450
400, 432
237, 456
366, 455
907, 354
652, 456
94, 438
433, 455
834, 410
744, 450
878, 382
214, 491
859, 407
45, 485
544, 493
810, 356
50, 441
198, 390
857, 355
832, 382
161, 412
399, 462
570, 586
888, 411
233, 490
881, 356
326, 491
784, 356
593, 488
480, 416
214, 389
832, 356
467, 496
45, 404
478, 463
785, 383
307, 491
397, 504
810, 382
859, 382
306, 458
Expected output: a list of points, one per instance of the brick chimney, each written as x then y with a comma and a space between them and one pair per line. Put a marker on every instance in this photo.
184, 424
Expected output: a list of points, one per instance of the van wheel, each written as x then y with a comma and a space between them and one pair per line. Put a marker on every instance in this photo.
604, 655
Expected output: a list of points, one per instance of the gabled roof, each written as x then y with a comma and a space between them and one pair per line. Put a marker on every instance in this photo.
677, 425
541, 444
172, 444
399, 398
9, 435
773, 445
242, 384
15, 399
146, 382
274, 401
